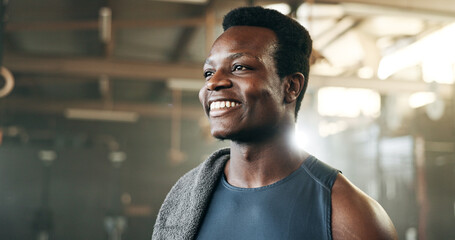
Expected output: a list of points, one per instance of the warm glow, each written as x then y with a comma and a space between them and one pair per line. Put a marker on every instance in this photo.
320, 10
434, 52
300, 138
348, 102
420, 99
280, 7
365, 72
330, 128
401, 59
438, 71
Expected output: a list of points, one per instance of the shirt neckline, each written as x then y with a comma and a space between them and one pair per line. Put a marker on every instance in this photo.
263, 188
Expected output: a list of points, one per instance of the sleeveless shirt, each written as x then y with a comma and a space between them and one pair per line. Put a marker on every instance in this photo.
296, 207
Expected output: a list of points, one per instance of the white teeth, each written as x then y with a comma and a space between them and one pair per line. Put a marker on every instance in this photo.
222, 104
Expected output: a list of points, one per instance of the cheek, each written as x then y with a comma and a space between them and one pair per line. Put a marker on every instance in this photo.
202, 94
266, 102
253, 91
261, 94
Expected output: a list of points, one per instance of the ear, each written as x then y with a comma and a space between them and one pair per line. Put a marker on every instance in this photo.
293, 86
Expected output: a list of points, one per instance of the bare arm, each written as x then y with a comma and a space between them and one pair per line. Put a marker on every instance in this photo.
357, 216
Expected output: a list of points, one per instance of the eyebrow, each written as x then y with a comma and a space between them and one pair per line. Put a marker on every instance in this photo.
235, 56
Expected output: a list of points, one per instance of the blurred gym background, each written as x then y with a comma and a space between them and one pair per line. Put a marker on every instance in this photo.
99, 113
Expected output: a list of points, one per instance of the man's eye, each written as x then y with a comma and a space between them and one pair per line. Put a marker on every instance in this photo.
208, 74
239, 68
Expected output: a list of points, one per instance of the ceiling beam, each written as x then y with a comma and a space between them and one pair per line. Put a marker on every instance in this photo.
381, 86
158, 72
437, 9
187, 34
94, 25
339, 29
431, 10
95, 67
38, 105
315, 82
183, 43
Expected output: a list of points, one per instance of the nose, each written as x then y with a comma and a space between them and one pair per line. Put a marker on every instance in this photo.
218, 81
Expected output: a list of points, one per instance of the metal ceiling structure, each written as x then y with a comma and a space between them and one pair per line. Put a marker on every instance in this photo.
54, 48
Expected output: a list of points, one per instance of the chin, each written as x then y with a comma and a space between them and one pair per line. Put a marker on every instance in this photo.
220, 135
226, 134
241, 137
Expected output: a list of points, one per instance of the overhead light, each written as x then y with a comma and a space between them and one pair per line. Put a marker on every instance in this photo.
105, 24
434, 52
117, 157
101, 115
420, 99
47, 156
348, 102
438, 70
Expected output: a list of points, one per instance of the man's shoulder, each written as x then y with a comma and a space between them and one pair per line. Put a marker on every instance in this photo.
357, 216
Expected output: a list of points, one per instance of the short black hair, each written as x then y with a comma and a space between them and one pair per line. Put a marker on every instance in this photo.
294, 42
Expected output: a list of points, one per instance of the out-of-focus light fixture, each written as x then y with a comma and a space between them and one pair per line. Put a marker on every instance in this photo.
435, 52
47, 156
105, 24
117, 156
101, 115
440, 71
420, 99
348, 102
280, 7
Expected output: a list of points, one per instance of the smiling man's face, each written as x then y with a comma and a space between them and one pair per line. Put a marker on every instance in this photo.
243, 96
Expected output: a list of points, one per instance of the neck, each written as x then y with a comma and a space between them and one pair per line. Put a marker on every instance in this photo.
257, 164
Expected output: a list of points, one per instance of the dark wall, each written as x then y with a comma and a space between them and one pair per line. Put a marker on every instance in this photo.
84, 185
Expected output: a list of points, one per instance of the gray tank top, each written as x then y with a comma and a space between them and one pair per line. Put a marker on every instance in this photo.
296, 207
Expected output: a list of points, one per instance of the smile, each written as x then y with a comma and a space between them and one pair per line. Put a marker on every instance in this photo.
223, 105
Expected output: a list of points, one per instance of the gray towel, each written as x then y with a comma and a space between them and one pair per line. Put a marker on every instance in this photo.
185, 205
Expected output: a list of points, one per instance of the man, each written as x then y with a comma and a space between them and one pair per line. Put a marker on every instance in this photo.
262, 187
